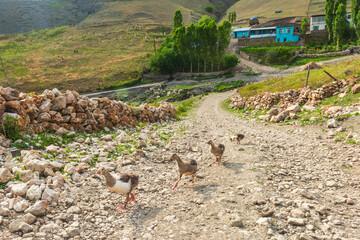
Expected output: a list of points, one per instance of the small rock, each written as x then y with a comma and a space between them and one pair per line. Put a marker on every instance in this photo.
332, 123
237, 222
21, 206
72, 231
38, 208
50, 195
19, 189
5, 175
28, 218
33, 193
297, 221
355, 89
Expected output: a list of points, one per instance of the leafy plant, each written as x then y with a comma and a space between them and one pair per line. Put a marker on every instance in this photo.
209, 8
11, 128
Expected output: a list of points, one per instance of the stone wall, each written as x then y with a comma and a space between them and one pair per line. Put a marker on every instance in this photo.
349, 51
56, 111
283, 100
244, 42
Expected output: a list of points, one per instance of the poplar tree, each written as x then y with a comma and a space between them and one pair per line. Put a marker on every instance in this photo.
357, 26
224, 37
190, 39
178, 19
213, 37
329, 17
304, 27
355, 7
340, 23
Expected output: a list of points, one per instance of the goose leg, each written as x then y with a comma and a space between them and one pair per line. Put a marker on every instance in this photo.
238, 142
132, 198
193, 181
176, 183
217, 161
122, 208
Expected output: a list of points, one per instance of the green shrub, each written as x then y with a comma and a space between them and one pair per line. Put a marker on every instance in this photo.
209, 8
11, 128
230, 61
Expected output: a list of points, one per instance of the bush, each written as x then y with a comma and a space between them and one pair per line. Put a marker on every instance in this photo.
166, 59
10, 128
209, 8
279, 55
230, 61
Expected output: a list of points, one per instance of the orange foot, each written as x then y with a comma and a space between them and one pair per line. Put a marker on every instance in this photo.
121, 208
132, 198
173, 187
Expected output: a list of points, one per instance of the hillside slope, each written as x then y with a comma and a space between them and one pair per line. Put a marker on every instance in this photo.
265, 9
106, 50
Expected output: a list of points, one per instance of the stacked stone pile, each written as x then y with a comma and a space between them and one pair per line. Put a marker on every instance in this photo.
284, 100
57, 111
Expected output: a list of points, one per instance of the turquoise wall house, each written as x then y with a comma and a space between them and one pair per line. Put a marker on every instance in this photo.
241, 32
286, 34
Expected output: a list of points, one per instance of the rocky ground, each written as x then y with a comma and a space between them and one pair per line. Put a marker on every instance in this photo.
282, 182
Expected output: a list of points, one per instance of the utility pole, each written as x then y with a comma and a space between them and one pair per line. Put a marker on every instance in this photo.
2, 64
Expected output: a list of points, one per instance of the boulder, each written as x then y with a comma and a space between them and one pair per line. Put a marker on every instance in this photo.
355, 89
28, 218
33, 193
21, 206
273, 112
38, 208
19, 189
10, 94
294, 108
58, 104
50, 195
18, 225
5, 175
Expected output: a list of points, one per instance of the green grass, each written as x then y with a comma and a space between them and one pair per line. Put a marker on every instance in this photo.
108, 49
265, 9
303, 61
296, 81
183, 108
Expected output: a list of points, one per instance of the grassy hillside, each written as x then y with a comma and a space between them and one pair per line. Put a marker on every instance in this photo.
265, 9
106, 50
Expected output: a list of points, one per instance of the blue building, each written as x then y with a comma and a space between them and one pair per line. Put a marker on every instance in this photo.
286, 34
241, 32
280, 34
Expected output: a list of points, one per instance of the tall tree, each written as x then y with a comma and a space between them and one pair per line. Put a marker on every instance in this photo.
340, 23
224, 37
178, 19
190, 39
198, 45
355, 7
357, 26
204, 37
329, 17
234, 17
180, 42
213, 37
304, 27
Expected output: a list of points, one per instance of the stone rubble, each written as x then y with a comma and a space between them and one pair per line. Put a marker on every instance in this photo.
69, 111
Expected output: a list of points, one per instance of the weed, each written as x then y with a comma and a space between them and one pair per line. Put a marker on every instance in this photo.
10, 127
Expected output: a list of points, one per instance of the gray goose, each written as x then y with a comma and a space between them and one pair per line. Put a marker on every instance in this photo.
217, 150
237, 137
186, 167
125, 184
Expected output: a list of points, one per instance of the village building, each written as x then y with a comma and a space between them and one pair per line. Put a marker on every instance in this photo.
317, 22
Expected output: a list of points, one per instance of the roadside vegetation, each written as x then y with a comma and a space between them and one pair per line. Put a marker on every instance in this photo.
317, 78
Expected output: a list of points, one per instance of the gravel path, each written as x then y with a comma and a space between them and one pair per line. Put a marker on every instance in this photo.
283, 182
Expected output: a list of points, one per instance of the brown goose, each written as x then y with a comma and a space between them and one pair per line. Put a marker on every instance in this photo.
125, 184
217, 150
237, 137
186, 167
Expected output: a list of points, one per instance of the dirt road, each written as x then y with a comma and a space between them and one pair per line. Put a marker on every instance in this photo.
283, 182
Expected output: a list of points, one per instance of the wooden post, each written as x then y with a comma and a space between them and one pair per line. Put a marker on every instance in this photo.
330, 75
154, 45
307, 78
2, 64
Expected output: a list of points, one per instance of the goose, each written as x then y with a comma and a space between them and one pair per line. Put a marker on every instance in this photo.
125, 184
217, 150
238, 137
186, 167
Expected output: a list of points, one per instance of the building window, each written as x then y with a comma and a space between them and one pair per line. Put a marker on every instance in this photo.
285, 39
281, 30
288, 30
349, 16
316, 27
